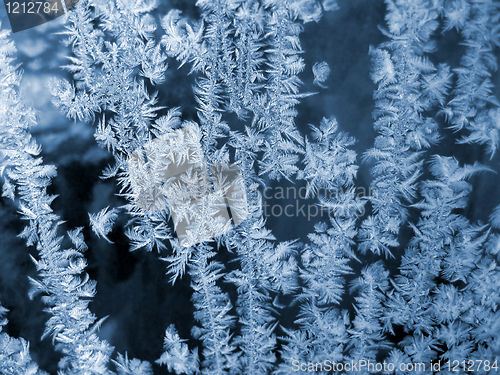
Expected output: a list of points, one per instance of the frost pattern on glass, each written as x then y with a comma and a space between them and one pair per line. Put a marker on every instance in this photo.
403, 275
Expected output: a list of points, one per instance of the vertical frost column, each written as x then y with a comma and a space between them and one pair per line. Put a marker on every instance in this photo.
473, 105
330, 170
234, 55
14, 353
283, 143
408, 85
442, 318
66, 287
211, 50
